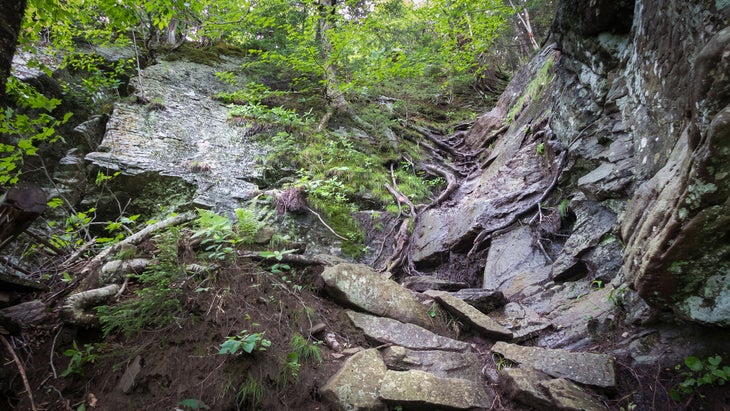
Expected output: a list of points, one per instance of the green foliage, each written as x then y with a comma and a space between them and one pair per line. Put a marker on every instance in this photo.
157, 303
250, 393
244, 342
305, 350
30, 124
193, 404
220, 237
699, 373
78, 358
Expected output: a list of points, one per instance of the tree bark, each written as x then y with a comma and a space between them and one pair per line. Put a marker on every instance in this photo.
10, 20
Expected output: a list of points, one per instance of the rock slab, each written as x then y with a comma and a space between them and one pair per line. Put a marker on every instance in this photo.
581, 367
445, 364
471, 316
355, 386
357, 285
386, 330
426, 391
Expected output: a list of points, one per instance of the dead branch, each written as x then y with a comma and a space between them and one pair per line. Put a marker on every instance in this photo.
21, 370
396, 259
326, 225
76, 254
288, 258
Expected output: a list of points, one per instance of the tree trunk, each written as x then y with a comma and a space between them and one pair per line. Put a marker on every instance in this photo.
10, 20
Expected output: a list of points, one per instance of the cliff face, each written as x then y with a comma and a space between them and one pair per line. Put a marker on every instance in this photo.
624, 119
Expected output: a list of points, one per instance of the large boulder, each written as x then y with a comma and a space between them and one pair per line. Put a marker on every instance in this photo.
355, 386
388, 331
358, 286
426, 391
582, 367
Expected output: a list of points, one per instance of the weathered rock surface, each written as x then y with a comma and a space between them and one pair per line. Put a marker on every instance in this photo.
481, 299
569, 397
523, 322
183, 132
514, 263
444, 364
424, 390
386, 330
581, 367
356, 385
471, 316
537, 390
357, 285
430, 282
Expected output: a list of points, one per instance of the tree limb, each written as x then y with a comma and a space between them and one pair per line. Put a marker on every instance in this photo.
24, 377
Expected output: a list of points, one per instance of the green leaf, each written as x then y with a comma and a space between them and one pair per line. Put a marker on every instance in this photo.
716, 360
230, 346
693, 363
194, 404
675, 395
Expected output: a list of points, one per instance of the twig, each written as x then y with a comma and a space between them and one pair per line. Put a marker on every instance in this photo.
21, 370
53, 350
122, 288
15, 267
76, 254
325, 224
45, 242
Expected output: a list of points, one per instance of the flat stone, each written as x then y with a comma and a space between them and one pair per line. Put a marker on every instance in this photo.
569, 397
514, 263
445, 364
522, 321
129, 378
357, 285
426, 391
471, 316
582, 367
355, 386
386, 330
430, 282
482, 299
521, 384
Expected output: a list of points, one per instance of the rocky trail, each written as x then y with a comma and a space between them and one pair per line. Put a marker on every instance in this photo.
575, 253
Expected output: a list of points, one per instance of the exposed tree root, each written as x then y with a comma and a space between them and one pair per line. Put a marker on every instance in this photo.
96, 262
74, 312
398, 257
451, 183
487, 234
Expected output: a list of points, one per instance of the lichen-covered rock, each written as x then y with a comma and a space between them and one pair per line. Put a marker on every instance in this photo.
427, 391
471, 316
585, 368
356, 385
357, 285
386, 330
567, 396
178, 129
482, 299
521, 384
445, 364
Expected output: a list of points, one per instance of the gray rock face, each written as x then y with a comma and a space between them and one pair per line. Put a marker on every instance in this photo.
185, 134
523, 322
481, 299
581, 367
356, 385
386, 330
429, 282
514, 263
569, 397
444, 364
537, 390
471, 316
426, 391
357, 285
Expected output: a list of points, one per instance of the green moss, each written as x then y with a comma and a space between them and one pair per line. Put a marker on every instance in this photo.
201, 55
544, 77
